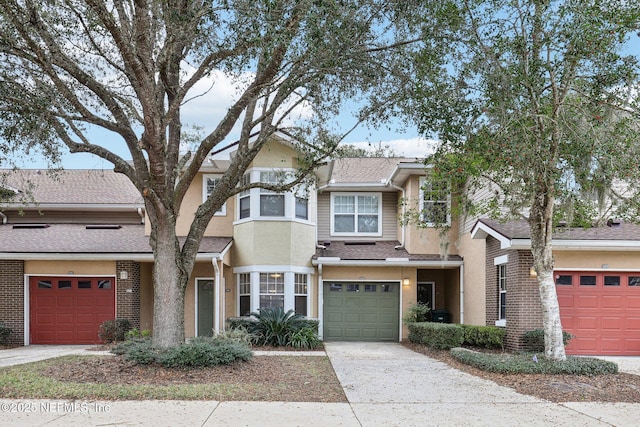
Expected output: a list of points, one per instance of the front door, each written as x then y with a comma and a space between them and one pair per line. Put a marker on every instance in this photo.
205, 307
425, 294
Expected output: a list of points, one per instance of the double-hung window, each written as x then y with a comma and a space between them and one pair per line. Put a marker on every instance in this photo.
209, 183
502, 292
434, 202
300, 288
271, 290
356, 214
244, 291
271, 203
244, 198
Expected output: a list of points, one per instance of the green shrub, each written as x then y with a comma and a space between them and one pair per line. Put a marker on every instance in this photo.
202, 352
135, 333
114, 330
305, 338
274, 326
5, 331
530, 363
239, 335
484, 336
441, 336
534, 340
418, 312
244, 322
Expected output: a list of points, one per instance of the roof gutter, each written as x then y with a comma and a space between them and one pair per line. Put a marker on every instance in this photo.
121, 256
336, 261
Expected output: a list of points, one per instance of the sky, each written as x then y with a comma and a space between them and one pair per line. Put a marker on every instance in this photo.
209, 101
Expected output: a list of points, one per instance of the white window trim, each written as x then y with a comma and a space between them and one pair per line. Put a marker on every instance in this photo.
502, 321
289, 201
289, 284
356, 233
423, 180
223, 208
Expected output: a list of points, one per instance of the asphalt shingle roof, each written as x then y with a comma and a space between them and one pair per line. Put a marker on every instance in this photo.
360, 170
73, 187
520, 230
375, 251
77, 239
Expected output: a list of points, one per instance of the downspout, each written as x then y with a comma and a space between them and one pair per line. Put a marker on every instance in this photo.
404, 208
320, 303
141, 213
462, 294
4, 218
216, 297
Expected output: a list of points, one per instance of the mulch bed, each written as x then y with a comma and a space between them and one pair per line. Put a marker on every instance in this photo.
270, 378
619, 387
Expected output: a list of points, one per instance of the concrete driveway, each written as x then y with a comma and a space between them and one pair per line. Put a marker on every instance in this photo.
35, 353
387, 384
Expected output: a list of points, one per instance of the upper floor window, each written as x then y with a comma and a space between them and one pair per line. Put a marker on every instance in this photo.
262, 203
244, 198
434, 202
271, 203
209, 183
356, 214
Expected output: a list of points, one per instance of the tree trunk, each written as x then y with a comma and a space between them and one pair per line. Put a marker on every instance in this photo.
541, 226
169, 284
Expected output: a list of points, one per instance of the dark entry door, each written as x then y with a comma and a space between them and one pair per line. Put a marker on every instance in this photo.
425, 294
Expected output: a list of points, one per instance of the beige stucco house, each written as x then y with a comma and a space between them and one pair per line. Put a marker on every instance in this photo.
78, 254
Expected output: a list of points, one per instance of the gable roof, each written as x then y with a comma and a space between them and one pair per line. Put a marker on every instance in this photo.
69, 188
516, 235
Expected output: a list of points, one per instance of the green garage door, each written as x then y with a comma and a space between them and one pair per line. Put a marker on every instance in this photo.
361, 311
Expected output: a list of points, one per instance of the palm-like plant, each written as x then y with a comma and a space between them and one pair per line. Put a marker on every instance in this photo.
274, 326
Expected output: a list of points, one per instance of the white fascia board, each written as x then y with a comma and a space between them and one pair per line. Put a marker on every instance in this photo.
481, 231
382, 263
350, 186
93, 257
596, 245
74, 207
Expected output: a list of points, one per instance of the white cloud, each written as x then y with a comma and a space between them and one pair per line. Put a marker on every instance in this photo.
405, 147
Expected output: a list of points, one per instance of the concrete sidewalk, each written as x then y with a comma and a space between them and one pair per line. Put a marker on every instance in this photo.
385, 383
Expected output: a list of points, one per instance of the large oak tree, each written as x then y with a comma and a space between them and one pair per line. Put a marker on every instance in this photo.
129, 67
534, 99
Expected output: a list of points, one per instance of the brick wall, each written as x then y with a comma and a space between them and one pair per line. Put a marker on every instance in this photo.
128, 292
523, 311
12, 299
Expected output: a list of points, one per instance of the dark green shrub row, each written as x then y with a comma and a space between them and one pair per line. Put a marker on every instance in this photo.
440, 336
199, 352
5, 331
484, 336
528, 363
114, 330
534, 340
274, 326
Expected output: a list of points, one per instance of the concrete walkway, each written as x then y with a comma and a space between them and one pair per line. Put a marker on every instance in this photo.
386, 385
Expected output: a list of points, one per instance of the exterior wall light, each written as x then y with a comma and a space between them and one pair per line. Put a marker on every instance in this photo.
532, 272
406, 282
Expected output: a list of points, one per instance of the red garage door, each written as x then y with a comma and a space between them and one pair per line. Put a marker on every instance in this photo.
69, 310
602, 310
